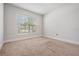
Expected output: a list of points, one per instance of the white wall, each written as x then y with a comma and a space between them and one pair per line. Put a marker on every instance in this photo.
1, 25
11, 22
63, 21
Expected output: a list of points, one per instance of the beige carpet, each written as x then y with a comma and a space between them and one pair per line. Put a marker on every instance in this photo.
39, 47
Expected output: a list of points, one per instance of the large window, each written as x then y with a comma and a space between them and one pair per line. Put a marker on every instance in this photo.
25, 24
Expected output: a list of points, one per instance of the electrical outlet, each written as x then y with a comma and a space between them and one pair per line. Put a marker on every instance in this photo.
57, 34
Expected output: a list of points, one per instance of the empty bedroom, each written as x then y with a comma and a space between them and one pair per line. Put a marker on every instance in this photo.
39, 29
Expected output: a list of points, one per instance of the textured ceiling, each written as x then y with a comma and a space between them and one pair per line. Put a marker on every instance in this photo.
40, 8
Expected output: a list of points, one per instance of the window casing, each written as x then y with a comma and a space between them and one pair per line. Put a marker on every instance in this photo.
25, 24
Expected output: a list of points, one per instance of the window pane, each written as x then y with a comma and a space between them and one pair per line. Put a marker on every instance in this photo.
25, 24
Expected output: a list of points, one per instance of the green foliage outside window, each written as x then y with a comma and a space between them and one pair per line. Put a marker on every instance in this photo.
27, 26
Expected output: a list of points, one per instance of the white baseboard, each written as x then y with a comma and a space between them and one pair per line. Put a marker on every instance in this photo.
17, 39
64, 40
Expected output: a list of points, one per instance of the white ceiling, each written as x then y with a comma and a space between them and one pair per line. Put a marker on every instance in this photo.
41, 8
